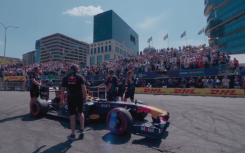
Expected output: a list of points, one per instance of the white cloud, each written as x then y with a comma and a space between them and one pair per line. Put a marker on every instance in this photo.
151, 21
84, 11
89, 22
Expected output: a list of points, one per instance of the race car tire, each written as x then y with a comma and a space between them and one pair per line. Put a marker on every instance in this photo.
119, 121
39, 108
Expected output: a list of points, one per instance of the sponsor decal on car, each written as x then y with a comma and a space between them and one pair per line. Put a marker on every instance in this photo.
94, 116
105, 105
143, 109
147, 129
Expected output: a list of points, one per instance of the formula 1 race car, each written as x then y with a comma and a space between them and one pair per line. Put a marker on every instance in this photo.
120, 117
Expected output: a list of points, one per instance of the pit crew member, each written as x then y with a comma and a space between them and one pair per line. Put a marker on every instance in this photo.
35, 83
130, 82
111, 86
75, 98
121, 87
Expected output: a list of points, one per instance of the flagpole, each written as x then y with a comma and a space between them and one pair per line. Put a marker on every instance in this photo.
186, 37
204, 37
168, 41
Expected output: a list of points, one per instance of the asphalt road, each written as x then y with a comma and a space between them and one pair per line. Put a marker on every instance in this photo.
197, 124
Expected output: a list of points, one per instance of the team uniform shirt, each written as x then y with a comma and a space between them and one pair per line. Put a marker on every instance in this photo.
113, 81
131, 87
122, 86
73, 83
37, 78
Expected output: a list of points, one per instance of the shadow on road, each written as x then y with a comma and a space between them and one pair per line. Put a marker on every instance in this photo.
116, 139
61, 147
26, 117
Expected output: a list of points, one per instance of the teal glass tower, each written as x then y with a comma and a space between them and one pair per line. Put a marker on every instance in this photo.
226, 25
108, 25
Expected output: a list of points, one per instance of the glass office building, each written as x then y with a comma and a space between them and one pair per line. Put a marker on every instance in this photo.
226, 25
108, 25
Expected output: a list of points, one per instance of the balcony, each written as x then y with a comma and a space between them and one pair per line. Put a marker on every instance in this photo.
208, 8
210, 17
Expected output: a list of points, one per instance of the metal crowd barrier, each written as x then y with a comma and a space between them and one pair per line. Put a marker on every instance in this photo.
11, 84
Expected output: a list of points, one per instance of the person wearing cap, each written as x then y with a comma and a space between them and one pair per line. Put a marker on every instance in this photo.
35, 83
76, 96
130, 82
111, 84
121, 87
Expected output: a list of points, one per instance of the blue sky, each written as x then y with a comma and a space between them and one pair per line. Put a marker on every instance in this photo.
39, 18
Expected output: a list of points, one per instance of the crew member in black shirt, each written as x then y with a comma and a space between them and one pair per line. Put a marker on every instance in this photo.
75, 98
35, 83
121, 87
111, 86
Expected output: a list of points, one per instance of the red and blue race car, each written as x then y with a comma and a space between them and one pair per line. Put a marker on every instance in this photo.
120, 117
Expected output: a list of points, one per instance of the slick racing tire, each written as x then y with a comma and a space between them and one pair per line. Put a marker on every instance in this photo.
39, 108
119, 121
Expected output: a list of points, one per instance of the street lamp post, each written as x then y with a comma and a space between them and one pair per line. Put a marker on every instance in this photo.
5, 45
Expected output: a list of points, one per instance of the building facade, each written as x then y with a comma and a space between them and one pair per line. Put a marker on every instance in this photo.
112, 38
58, 47
226, 25
105, 50
29, 58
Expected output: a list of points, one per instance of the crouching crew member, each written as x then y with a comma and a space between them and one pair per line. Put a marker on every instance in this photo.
121, 87
35, 83
75, 98
130, 82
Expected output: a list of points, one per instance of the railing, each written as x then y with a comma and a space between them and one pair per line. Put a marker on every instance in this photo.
12, 84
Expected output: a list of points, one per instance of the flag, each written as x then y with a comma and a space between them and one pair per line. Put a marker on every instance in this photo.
183, 34
122, 44
201, 31
135, 41
150, 39
63, 50
165, 37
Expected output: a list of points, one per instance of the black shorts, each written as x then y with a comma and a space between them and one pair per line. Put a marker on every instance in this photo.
34, 93
120, 92
75, 103
111, 96
129, 94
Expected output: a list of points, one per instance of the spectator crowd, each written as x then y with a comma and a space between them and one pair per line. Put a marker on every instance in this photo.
187, 57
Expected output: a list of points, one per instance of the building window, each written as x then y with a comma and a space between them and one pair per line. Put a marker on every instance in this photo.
91, 45
98, 49
109, 42
99, 59
98, 43
101, 43
92, 60
94, 50
109, 48
107, 57
105, 42
102, 49
105, 48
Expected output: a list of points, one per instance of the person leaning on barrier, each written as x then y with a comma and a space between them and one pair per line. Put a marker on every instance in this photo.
205, 82
226, 82
35, 83
183, 82
76, 96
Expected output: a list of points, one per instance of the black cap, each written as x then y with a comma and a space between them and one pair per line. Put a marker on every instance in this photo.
36, 68
111, 71
74, 68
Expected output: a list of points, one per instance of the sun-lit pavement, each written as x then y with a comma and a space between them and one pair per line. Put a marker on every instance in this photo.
197, 124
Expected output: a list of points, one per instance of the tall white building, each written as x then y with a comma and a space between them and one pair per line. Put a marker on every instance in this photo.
105, 50
59, 47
